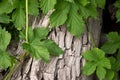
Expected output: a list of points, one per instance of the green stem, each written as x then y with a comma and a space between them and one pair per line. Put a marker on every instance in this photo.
26, 21
17, 64
12, 70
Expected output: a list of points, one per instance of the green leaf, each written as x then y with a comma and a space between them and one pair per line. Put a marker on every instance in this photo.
88, 55
116, 66
36, 50
88, 11
36, 33
98, 3
112, 62
22, 34
33, 7
110, 48
118, 55
101, 72
30, 34
118, 15
4, 18
47, 5
113, 36
97, 57
115, 76
117, 3
41, 32
112, 44
5, 60
75, 24
4, 39
101, 4
18, 17
105, 62
59, 16
18, 3
89, 68
94, 55
109, 75
72, 1
52, 47
5, 6
84, 2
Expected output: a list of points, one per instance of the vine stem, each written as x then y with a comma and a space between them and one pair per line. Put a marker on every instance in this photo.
12, 70
26, 21
17, 64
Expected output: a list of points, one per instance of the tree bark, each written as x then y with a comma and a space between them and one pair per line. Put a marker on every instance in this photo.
67, 66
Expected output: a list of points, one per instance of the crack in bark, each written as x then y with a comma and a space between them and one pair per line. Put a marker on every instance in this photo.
30, 69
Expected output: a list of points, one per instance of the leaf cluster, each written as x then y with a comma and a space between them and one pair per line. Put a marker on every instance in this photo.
39, 46
112, 47
106, 67
113, 43
96, 62
71, 13
5, 59
14, 11
117, 5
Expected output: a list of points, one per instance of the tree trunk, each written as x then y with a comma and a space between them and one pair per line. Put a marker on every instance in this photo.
67, 66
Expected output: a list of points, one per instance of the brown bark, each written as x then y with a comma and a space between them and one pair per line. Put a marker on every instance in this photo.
67, 66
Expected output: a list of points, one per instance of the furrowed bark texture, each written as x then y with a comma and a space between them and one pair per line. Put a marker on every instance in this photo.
67, 66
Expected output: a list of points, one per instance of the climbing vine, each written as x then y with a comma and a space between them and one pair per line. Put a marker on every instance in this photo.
72, 13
